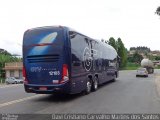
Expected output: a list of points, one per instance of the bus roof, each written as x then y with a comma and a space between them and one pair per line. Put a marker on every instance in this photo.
71, 29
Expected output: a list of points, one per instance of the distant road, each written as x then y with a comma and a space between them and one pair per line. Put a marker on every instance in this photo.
127, 95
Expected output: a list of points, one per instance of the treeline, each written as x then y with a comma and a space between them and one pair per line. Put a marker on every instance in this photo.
121, 50
135, 58
5, 57
158, 11
141, 49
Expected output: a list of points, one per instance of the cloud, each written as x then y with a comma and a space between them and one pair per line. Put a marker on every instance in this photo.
134, 21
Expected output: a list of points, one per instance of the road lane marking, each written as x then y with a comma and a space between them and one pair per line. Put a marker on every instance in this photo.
19, 100
6, 86
157, 82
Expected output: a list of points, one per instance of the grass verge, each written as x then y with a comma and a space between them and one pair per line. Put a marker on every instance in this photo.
131, 66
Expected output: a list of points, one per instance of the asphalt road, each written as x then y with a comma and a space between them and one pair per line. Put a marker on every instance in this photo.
127, 95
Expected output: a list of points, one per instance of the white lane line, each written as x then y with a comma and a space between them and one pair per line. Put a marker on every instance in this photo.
6, 86
157, 84
19, 100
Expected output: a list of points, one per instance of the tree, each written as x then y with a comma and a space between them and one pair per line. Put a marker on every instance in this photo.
137, 58
158, 11
132, 48
122, 52
141, 49
157, 58
2, 51
112, 42
6, 57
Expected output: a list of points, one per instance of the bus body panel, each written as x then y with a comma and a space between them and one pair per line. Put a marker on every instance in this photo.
47, 49
79, 75
91, 58
42, 56
44, 53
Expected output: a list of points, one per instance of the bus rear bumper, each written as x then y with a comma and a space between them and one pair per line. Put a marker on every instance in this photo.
47, 89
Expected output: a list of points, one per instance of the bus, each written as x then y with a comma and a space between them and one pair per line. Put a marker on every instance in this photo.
58, 59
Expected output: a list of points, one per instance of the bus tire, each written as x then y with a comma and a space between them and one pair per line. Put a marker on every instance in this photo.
88, 86
114, 79
95, 84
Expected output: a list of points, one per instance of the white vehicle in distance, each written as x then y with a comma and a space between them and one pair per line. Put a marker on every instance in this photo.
142, 72
13, 80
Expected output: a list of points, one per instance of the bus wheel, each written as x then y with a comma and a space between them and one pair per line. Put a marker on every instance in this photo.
114, 79
95, 84
88, 87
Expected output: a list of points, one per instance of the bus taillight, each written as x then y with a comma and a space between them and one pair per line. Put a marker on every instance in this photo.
24, 76
65, 76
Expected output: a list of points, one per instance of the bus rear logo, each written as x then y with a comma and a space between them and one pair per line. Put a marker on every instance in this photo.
35, 69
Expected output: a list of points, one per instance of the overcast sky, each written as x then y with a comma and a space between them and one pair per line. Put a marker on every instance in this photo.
134, 21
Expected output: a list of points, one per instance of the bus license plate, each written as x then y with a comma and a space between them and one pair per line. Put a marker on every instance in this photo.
43, 88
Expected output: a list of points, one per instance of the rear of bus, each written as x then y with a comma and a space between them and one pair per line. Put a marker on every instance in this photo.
45, 60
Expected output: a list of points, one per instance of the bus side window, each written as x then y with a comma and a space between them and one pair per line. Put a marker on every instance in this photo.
72, 34
107, 63
76, 61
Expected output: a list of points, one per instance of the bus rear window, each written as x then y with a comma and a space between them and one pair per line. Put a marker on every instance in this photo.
43, 36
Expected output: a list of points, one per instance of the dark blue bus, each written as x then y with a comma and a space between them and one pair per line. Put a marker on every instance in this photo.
59, 59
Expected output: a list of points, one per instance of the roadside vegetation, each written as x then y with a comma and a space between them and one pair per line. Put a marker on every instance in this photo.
121, 50
158, 11
131, 66
4, 58
131, 61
